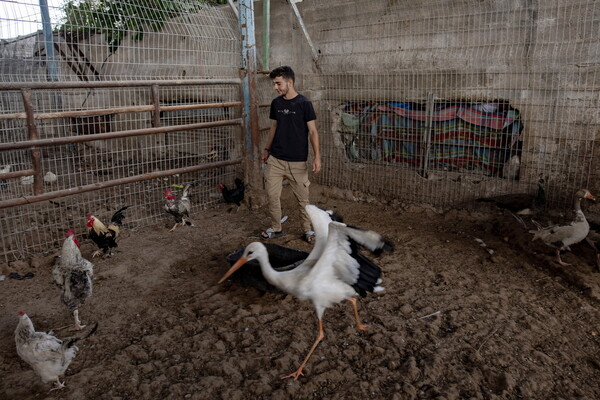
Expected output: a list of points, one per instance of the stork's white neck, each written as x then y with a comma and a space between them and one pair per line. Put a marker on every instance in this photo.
286, 281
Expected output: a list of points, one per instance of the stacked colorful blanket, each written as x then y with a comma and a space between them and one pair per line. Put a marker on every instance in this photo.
451, 136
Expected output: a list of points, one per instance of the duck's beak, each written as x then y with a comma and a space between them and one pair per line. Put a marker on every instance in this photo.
239, 263
590, 196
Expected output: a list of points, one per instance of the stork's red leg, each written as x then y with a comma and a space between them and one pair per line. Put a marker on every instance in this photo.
359, 325
320, 336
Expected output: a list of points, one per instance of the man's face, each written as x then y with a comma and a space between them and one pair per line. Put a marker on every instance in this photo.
281, 86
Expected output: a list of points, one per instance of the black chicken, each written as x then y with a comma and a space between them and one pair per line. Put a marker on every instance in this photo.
105, 237
235, 195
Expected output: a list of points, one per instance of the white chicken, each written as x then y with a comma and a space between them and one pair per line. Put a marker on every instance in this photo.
48, 356
73, 274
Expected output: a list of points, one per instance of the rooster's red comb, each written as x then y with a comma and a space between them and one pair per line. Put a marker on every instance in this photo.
70, 232
21, 313
169, 194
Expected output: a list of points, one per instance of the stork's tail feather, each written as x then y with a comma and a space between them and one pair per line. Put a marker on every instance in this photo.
118, 216
333, 215
369, 239
386, 248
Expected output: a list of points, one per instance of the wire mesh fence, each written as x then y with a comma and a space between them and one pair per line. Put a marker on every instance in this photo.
162, 64
435, 101
441, 102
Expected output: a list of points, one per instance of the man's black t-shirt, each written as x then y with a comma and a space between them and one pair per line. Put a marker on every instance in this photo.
291, 137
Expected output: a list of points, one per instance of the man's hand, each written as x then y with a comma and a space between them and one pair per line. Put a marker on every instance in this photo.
265, 156
316, 165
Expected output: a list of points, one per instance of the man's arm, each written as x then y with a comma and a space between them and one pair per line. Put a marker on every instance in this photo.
267, 150
313, 135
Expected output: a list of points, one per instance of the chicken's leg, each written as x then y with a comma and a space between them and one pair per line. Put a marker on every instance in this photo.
78, 325
96, 253
561, 262
359, 325
59, 385
320, 336
174, 226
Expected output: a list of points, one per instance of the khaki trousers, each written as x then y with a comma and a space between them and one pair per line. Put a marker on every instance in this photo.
297, 174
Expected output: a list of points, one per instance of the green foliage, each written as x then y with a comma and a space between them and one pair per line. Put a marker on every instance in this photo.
118, 18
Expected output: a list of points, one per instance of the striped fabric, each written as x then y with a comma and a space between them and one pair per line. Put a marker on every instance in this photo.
463, 136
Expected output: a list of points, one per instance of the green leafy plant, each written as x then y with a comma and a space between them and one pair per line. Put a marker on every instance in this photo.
118, 18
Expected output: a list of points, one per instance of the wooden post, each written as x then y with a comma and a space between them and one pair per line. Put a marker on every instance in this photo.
36, 154
255, 195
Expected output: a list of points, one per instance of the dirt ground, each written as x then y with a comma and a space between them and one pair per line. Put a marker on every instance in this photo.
455, 321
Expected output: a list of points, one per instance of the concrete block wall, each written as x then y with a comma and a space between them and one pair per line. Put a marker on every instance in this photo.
542, 57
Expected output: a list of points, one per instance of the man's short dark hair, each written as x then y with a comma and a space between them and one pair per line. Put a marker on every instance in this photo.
285, 72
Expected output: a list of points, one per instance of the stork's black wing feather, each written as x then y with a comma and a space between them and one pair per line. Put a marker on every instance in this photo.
368, 271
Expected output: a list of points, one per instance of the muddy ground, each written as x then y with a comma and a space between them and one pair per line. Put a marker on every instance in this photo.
457, 321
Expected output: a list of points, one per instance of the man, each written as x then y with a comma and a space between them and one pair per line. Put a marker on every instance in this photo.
286, 150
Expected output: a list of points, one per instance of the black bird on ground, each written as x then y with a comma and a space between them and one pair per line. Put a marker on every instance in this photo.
519, 204
593, 239
234, 195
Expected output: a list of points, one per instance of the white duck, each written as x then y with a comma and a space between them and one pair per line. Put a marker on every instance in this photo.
562, 236
334, 271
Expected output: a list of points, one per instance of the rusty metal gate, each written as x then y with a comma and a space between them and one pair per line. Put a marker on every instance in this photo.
95, 116
52, 154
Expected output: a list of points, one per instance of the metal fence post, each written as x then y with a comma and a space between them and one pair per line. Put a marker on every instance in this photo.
255, 193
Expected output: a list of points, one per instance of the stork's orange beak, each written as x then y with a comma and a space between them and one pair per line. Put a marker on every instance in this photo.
238, 264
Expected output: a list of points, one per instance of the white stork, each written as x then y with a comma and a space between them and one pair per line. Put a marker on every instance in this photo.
334, 270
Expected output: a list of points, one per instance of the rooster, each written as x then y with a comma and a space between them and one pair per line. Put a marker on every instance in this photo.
73, 274
48, 356
179, 208
105, 237
235, 195
4, 170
